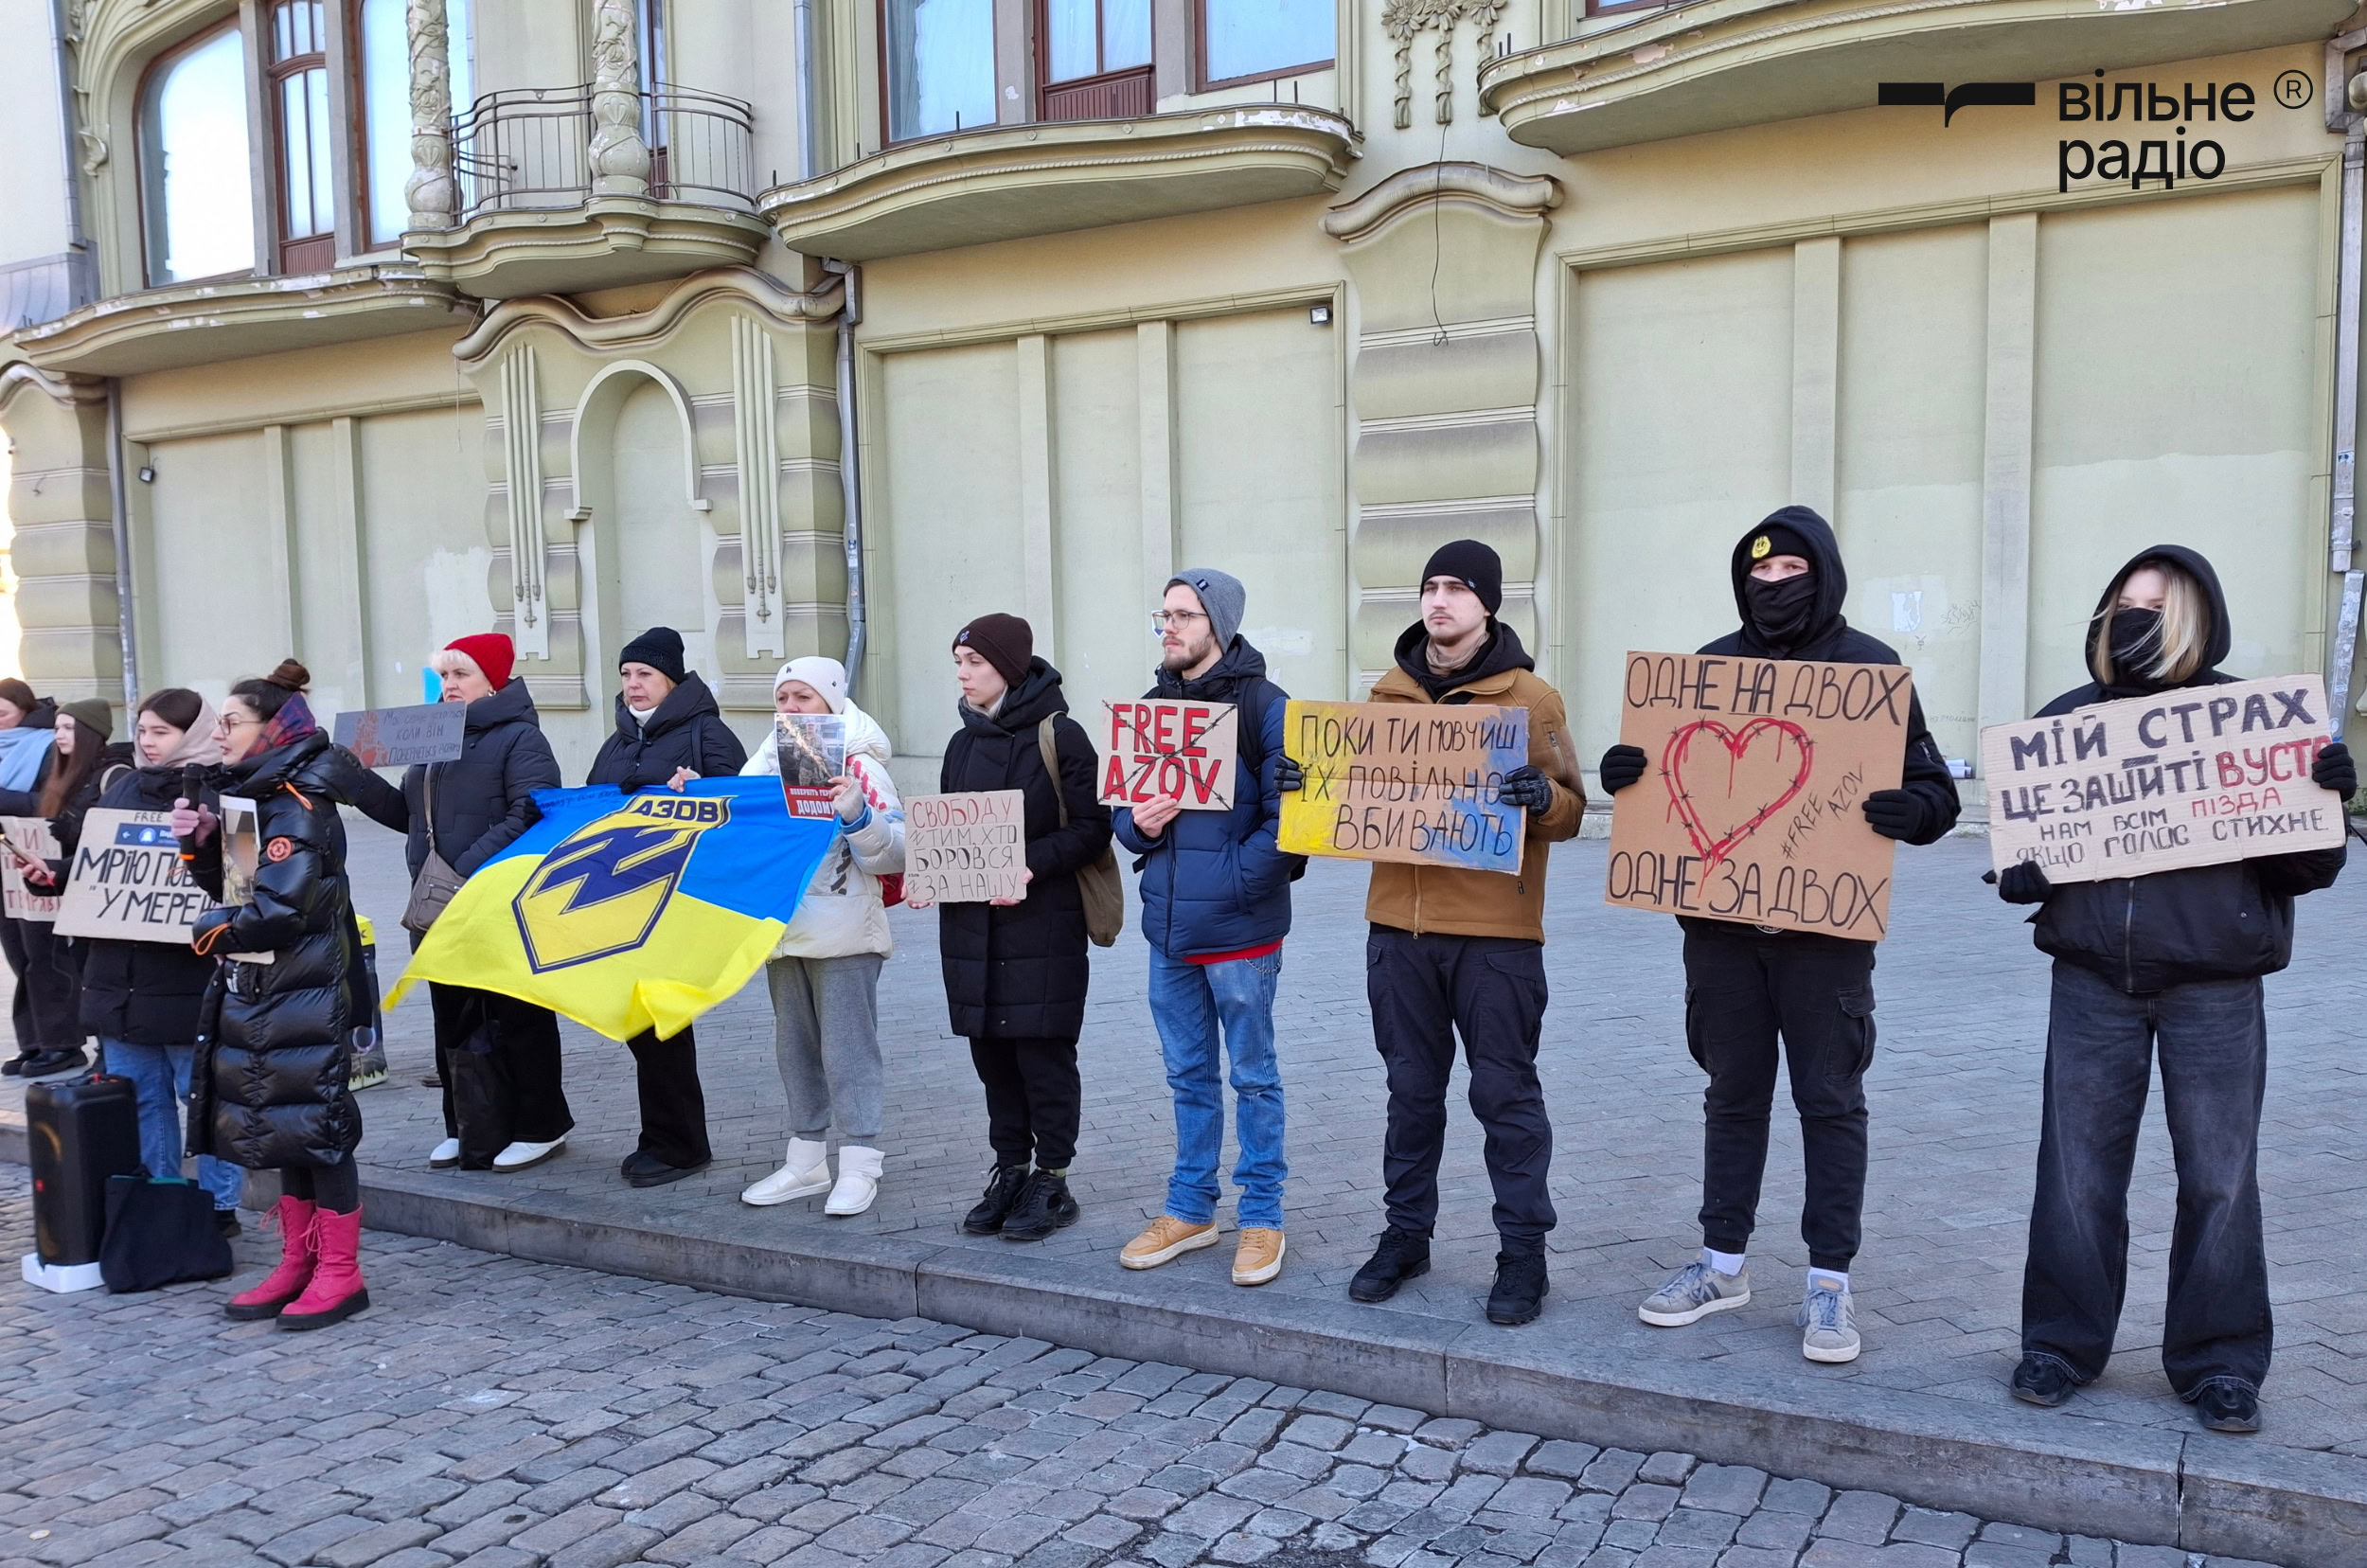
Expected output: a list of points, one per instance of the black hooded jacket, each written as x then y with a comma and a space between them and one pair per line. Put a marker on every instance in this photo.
274, 1039
686, 731
144, 992
1021, 972
2229, 921
1833, 640
485, 797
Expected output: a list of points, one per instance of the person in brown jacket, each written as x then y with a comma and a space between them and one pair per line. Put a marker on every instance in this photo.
1454, 949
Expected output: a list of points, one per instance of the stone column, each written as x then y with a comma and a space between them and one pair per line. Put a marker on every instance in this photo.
63, 550
619, 157
431, 191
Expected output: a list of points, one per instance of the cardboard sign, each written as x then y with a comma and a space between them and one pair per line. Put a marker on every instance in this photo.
966, 848
2196, 776
398, 737
29, 838
1749, 810
128, 882
1159, 749
1405, 781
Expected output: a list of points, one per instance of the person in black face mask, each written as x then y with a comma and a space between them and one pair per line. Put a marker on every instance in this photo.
1746, 986
2165, 966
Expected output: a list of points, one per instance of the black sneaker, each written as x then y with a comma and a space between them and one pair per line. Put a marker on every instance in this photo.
2042, 1381
1520, 1290
648, 1171
2227, 1404
52, 1063
1002, 1188
1044, 1206
1401, 1256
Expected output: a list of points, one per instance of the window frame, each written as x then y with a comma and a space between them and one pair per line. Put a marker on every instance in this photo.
142, 112
276, 73
1102, 70
1203, 83
1622, 7
887, 107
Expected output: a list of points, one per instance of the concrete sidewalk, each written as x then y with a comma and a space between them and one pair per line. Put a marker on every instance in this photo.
1923, 1415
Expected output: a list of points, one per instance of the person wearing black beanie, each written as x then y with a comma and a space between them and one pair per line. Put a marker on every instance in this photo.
1746, 985
1455, 951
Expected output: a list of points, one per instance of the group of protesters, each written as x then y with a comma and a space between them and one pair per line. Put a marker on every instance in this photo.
252, 1024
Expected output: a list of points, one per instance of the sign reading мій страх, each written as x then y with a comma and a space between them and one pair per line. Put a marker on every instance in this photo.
2196, 775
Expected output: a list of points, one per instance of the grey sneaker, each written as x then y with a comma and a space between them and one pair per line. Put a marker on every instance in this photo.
1693, 1293
1828, 1323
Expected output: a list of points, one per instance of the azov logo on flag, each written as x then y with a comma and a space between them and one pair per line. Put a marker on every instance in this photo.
601, 891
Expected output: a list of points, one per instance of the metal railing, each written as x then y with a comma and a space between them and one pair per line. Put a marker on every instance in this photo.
528, 148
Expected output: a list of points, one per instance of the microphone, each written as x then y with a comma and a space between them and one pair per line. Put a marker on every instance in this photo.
192, 781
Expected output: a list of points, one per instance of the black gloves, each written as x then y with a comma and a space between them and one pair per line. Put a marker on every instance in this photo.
1895, 814
1526, 788
1622, 766
1287, 775
2334, 770
2021, 884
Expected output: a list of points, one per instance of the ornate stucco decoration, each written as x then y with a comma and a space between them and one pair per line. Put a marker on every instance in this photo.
619, 156
1403, 19
433, 196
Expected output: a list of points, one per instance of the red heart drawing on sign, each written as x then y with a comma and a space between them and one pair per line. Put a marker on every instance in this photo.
1694, 803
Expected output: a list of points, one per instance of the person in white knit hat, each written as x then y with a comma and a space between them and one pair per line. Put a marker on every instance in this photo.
825, 973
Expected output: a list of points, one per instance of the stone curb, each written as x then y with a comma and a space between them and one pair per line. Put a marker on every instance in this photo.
2231, 1497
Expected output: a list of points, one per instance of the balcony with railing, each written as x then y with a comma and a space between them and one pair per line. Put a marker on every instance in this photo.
548, 205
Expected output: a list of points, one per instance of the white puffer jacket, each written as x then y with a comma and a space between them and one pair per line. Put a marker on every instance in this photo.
842, 913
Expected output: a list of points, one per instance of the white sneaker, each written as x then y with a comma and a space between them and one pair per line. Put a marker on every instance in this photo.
520, 1156
444, 1155
1693, 1293
1828, 1322
858, 1181
807, 1173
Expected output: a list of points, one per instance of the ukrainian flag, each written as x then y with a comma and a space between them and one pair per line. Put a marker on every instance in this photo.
630, 913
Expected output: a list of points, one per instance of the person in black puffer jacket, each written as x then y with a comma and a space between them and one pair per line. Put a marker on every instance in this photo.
81, 763
1016, 971
504, 1107
274, 1039
668, 730
141, 999
2164, 966
1745, 985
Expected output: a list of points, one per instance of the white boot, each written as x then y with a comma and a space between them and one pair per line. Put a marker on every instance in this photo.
444, 1155
857, 1179
807, 1173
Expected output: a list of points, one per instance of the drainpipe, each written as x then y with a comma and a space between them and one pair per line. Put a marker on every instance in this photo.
123, 546
78, 244
849, 473
2344, 114
807, 121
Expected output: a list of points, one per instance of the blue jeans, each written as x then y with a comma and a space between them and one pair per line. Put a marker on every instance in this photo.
1188, 1003
160, 1079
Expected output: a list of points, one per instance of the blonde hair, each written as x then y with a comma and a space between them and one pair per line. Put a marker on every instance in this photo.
2185, 632
449, 662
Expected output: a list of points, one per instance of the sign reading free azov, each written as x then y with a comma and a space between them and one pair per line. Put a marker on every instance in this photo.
2196, 775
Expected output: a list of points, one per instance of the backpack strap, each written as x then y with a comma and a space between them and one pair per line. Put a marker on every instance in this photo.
1052, 764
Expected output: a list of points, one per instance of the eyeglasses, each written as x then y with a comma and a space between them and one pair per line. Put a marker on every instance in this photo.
1162, 619
230, 721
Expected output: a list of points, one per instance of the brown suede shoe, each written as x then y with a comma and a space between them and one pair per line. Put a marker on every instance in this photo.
1259, 1256
1167, 1240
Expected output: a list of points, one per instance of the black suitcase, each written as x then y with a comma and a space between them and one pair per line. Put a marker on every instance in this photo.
81, 1132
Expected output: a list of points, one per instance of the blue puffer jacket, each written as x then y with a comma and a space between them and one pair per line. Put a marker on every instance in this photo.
1214, 881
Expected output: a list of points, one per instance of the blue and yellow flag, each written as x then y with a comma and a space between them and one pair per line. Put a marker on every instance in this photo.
629, 913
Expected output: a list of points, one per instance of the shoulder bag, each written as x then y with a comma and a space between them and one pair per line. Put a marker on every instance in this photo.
1098, 885
436, 883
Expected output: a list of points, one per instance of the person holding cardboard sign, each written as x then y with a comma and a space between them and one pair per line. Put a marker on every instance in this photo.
1745, 985
2164, 967
1215, 894
1458, 951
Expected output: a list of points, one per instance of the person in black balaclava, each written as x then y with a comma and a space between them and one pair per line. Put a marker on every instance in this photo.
1745, 985
2164, 966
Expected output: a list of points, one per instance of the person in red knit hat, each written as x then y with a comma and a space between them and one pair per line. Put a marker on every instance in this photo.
498, 1057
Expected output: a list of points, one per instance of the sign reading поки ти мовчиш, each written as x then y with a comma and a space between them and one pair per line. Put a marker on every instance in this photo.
2196, 775
1414, 783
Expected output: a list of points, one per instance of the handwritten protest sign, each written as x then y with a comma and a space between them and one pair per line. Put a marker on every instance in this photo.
1748, 808
2195, 777
398, 737
965, 848
28, 839
1159, 749
811, 748
128, 882
1398, 781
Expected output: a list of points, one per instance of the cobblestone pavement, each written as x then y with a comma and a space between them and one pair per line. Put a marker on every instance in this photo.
501, 1414
1954, 1091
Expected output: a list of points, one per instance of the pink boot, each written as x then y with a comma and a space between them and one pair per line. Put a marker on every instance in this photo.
336, 1292
285, 1283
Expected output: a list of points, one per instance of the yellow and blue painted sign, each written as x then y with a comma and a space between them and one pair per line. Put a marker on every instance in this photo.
630, 914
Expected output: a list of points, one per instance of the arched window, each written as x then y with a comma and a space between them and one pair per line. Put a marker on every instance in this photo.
384, 69
198, 204
299, 92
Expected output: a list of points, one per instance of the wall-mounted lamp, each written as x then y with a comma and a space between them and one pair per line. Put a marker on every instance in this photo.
1320, 314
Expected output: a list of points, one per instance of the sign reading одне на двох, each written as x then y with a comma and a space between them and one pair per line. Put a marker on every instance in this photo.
1408, 782
1161, 748
2192, 777
1749, 807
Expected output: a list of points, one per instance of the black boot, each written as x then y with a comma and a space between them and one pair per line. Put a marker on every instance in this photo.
1002, 1187
1520, 1292
2042, 1381
1044, 1206
1401, 1256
